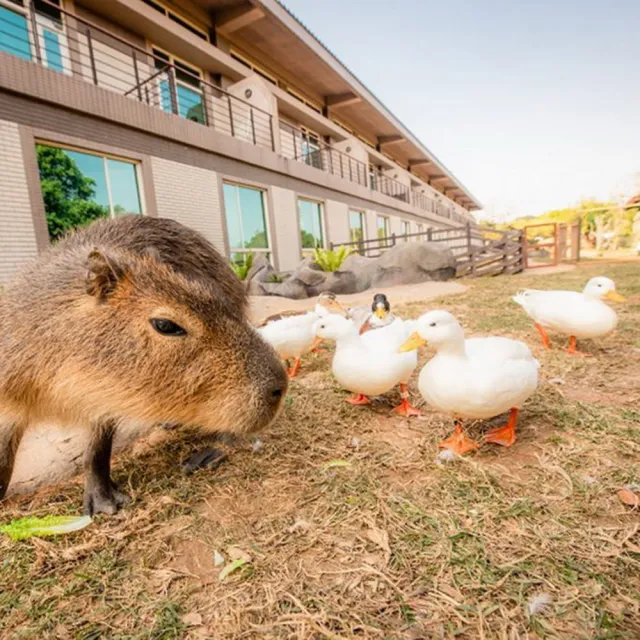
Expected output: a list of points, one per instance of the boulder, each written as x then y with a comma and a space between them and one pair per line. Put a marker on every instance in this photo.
406, 263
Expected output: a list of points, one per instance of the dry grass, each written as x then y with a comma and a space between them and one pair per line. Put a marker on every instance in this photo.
392, 545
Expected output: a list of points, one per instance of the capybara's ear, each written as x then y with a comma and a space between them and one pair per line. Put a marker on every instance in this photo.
103, 275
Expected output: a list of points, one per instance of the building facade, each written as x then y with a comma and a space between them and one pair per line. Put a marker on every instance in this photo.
226, 115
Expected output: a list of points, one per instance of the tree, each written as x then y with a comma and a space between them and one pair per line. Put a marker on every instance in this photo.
67, 193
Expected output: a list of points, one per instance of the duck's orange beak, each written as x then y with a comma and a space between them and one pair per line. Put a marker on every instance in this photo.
614, 296
316, 343
414, 341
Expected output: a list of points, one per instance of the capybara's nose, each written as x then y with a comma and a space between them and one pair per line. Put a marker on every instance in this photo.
277, 387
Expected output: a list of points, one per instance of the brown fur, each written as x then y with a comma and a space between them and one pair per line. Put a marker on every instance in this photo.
77, 345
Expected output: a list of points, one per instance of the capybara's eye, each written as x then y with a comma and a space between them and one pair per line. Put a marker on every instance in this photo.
167, 327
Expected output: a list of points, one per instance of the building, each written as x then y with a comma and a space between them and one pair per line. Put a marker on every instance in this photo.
226, 115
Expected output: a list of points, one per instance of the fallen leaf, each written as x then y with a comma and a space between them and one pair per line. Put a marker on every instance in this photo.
230, 568
379, 537
332, 464
192, 619
629, 498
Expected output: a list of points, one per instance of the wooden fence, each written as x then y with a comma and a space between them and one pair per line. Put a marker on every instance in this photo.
478, 252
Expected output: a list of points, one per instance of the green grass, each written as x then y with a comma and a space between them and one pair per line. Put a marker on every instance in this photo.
394, 545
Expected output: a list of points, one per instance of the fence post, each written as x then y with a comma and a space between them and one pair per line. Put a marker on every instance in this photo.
205, 105
468, 237
429, 234
172, 90
273, 134
295, 145
393, 239
525, 257
253, 125
331, 246
92, 57
578, 239
361, 246
233, 135
34, 28
137, 73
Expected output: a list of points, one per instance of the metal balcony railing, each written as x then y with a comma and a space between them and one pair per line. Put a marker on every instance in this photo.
63, 42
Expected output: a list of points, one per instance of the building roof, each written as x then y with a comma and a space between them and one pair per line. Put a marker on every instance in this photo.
266, 28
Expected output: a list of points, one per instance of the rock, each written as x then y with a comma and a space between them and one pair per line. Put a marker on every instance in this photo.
406, 263
290, 288
339, 282
261, 269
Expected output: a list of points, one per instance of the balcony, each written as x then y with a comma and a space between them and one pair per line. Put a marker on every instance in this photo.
49, 36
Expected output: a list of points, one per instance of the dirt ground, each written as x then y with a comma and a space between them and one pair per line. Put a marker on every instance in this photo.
346, 523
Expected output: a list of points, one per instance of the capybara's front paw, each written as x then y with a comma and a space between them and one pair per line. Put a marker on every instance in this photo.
97, 500
204, 459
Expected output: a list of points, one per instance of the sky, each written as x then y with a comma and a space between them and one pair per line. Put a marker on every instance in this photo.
532, 104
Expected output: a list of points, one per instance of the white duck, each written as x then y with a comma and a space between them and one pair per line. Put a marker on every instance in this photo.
370, 364
477, 378
578, 315
291, 332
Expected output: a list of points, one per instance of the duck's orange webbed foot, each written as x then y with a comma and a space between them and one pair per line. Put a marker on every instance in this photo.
405, 408
572, 349
458, 442
504, 436
358, 398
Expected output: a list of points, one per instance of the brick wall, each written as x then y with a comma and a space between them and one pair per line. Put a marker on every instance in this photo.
189, 195
17, 233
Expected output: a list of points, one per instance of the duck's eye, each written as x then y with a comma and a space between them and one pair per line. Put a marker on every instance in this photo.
167, 327
432, 324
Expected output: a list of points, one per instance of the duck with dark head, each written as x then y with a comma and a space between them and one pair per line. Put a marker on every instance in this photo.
374, 317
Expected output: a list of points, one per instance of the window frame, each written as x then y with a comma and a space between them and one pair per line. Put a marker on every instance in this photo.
137, 164
191, 25
177, 62
363, 223
387, 226
268, 251
42, 22
305, 251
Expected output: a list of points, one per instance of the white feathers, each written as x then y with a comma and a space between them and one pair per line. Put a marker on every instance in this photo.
538, 604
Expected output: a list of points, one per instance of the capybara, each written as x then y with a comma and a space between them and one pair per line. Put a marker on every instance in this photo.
137, 319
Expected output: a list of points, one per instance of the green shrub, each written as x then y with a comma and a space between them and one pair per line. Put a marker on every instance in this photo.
331, 259
241, 269
275, 277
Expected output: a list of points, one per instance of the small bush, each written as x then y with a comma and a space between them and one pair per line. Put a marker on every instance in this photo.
275, 277
331, 259
241, 269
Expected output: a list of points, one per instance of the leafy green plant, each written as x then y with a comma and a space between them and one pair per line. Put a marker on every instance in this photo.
48, 526
241, 269
275, 277
331, 259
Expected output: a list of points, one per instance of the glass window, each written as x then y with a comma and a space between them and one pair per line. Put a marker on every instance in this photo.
246, 220
14, 34
78, 187
53, 52
188, 90
383, 227
310, 215
356, 226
